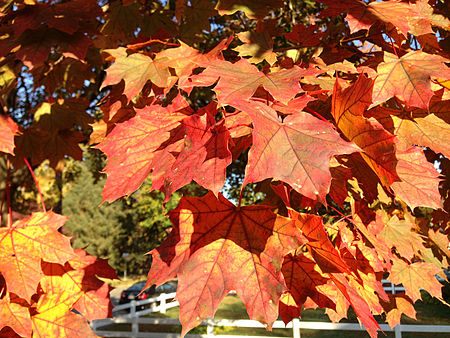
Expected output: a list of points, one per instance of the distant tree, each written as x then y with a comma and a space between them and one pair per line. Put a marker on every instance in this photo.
94, 227
134, 225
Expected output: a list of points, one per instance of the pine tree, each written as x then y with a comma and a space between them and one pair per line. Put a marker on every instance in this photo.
98, 228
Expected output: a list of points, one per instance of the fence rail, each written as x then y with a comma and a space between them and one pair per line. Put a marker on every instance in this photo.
296, 325
166, 301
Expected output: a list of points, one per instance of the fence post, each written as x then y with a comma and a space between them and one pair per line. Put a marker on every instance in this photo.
210, 327
153, 305
398, 331
134, 318
162, 304
296, 328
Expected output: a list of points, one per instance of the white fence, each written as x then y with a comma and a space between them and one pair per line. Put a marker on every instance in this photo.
166, 301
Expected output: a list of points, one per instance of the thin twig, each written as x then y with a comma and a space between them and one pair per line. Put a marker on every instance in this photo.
36, 182
8, 191
34, 177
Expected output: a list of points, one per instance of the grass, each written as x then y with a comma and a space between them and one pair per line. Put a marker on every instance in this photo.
428, 312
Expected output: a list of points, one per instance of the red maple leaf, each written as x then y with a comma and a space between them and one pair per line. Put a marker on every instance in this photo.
203, 158
318, 244
359, 305
133, 146
302, 281
212, 243
282, 149
240, 80
377, 144
408, 78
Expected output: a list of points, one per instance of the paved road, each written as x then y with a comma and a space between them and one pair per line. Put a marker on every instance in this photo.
115, 294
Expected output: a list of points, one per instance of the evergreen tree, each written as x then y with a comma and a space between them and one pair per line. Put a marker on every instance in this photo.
98, 228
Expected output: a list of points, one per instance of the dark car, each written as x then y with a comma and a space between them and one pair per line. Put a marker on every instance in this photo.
133, 292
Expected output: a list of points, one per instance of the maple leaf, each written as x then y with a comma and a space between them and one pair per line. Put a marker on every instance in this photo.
69, 73
416, 276
293, 106
38, 144
441, 240
422, 17
8, 129
415, 18
66, 17
378, 144
342, 304
77, 286
417, 128
182, 59
196, 20
366, 228
282, 149
55, 133
318, 244
25, 243
363, 16
35, 46
54, 318
359, 305
238, 124
16, 316
251, 8
132, 147
395, 311
419, 185
239, 127
125, 16
124, 68
302, 281
408, 78
216, 247
204, 157
240, 80
305, 35
397, 233
257, 44
338, 189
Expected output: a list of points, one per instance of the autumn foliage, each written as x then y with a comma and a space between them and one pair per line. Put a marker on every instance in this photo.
342, 115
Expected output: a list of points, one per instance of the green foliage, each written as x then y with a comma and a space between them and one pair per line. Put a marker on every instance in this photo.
96, 228
134, 225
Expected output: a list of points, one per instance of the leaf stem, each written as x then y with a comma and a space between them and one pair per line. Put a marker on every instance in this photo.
393, 47
347, 217
147, 43
35, 182
34, 178
360, 37
316, 114
8, 191
4, 197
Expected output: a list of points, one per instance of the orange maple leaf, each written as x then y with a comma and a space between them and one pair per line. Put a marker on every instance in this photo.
25, 243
